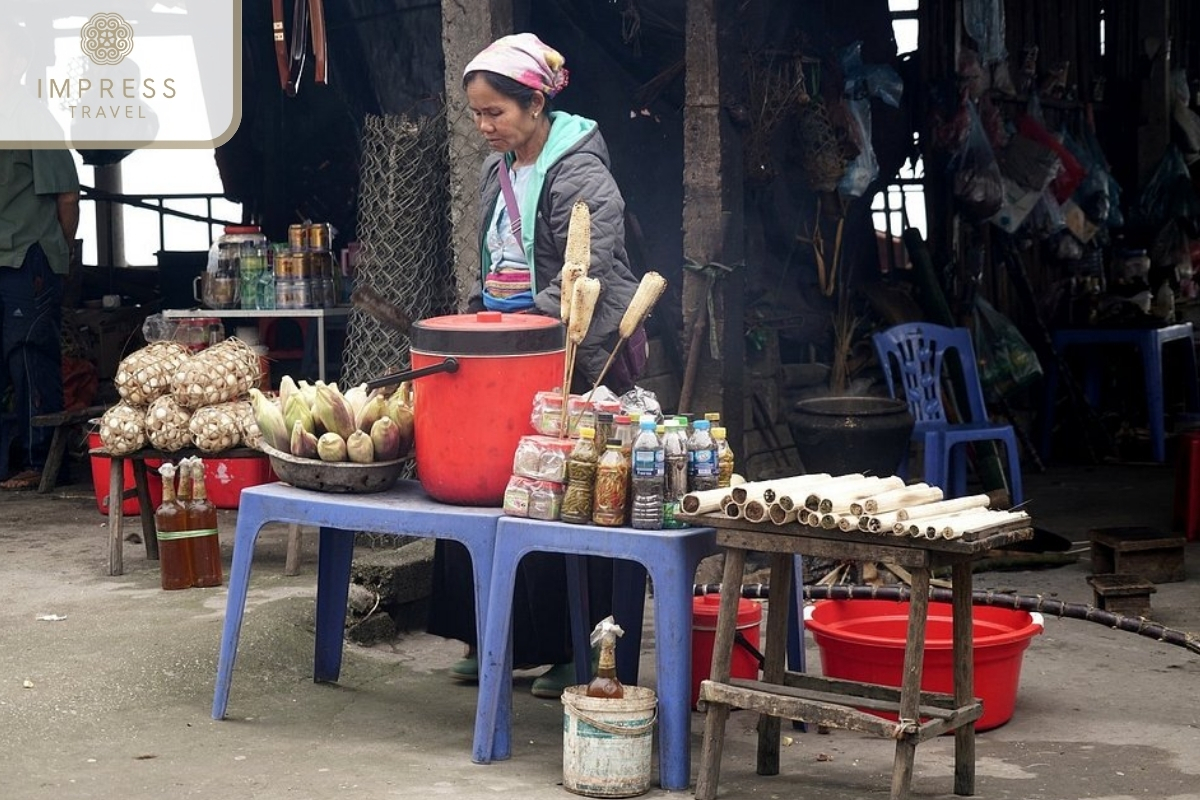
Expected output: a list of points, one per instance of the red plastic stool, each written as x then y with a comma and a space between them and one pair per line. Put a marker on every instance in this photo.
1187, 486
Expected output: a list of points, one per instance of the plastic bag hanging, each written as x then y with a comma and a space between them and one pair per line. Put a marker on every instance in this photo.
984, 22
863, 82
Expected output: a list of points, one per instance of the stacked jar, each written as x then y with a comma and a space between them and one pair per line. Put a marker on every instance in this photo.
304, 273
240, 252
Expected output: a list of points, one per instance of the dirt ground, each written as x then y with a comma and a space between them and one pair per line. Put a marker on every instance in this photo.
106, 685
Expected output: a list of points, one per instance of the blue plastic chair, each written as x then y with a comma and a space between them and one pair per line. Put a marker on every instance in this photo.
669, 556
917, 350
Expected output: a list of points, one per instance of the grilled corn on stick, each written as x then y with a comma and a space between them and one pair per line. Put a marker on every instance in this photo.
649, 290
570, 274
579, 236
583, 304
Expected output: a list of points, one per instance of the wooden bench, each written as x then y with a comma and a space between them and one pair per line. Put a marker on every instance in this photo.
1122, 594
1136, 550
116, 493
63, 423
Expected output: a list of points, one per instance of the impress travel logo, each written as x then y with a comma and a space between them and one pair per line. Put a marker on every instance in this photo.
130, 74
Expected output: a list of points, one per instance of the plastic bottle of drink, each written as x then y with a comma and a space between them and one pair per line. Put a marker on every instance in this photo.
675, 451
612, 482
714, 419
170, 520
648, 478
206, 544
724, 457
702, 458
581, 477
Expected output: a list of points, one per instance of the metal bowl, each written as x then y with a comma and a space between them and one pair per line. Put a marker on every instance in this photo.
335, 476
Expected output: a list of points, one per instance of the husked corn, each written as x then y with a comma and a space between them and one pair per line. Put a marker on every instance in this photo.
649, 290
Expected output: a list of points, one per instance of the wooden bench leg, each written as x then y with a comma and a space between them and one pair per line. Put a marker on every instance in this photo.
964, 677
718, 713
116, 522
146, 509
54, 459
910, 685
774, 667
291, 564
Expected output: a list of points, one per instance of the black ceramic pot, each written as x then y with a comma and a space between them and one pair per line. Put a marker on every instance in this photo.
841, 435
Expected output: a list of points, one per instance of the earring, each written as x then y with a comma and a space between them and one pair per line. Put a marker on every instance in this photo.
535, 114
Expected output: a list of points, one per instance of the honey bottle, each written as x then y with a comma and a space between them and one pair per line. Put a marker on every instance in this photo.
170, 527
606, 683
206, 544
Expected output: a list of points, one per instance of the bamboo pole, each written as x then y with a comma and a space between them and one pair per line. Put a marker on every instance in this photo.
943, 507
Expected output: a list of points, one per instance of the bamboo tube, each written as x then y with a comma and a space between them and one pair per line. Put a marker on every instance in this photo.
864, 523
782, 485
812, 500
943, 507
703, 502
906, 529
956, 525
839, 499
780, 516
754, 511
848, 522
731, 510
900, 498
748, 491
882, 522
802, 515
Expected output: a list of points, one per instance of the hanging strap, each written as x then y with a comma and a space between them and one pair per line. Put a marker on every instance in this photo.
281, 44
316, 13
510, 202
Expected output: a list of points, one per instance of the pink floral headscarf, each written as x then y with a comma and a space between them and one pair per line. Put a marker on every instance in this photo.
526, 59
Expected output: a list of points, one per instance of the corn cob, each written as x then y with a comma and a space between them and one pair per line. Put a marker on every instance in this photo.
649, 290
583, 305
570, 274
579, 235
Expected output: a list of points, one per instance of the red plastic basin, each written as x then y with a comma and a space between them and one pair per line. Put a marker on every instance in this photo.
101, 471
863, 640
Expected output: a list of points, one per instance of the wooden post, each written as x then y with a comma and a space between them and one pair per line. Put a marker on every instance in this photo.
704, 217
1153, 41
466, 29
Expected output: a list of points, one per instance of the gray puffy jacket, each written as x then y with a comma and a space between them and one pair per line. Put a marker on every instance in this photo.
575, 163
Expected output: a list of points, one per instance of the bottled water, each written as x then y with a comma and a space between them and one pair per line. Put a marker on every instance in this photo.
702, 458
648, 478
675, 450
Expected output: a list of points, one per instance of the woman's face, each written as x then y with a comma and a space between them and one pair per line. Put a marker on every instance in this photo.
503, 123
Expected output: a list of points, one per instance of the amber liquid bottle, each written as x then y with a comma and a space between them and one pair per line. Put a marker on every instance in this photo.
206, 546
605, 684
170, 524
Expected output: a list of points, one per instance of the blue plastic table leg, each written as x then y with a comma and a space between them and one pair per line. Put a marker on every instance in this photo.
670, 556
334, 555
246, 534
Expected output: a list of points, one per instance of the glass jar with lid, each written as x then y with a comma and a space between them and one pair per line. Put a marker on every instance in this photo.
236, 261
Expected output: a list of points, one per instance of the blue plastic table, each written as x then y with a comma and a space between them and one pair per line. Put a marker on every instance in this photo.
404, 510
1150, 343
670, 557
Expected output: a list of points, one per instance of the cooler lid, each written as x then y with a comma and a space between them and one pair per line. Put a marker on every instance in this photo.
487, 333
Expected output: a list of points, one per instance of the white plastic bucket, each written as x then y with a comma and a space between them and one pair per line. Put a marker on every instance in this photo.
606, 742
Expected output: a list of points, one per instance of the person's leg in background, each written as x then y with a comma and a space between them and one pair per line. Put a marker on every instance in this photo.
31, 339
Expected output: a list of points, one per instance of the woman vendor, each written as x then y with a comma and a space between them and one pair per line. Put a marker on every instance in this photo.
543, 161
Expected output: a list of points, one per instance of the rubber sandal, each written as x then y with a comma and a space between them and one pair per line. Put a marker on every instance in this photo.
466, 669
22, 481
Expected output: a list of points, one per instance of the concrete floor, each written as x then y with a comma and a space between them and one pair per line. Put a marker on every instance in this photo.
113, 700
